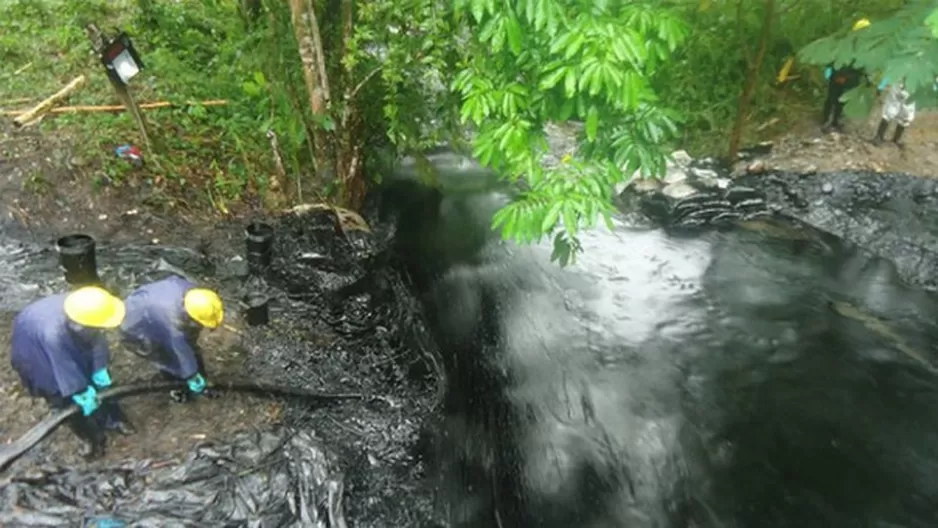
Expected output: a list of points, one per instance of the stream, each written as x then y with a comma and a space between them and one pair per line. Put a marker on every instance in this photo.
759, 373
756, 373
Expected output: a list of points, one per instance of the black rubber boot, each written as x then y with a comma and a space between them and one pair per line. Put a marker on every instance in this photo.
113, 419
881, 132
897, 137
91, 438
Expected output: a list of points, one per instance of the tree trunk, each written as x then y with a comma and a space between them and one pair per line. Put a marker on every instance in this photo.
306, 27
309, 43
752, 80
351, 165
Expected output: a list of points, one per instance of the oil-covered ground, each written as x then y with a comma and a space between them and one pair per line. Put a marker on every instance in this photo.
344, 320
165, 429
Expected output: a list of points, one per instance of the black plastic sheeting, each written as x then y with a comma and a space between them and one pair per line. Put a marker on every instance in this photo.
343, 320
262, 479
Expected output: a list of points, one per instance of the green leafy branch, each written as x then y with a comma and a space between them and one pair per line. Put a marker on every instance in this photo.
902, 46
537, 61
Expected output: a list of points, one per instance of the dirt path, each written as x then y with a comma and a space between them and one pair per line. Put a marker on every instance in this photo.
807, 149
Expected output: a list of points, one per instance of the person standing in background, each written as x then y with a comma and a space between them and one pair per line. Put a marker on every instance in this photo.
840, 81
896, 108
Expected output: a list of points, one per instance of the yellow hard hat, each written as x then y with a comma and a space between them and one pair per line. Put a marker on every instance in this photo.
862, 23
205, 307
94, 307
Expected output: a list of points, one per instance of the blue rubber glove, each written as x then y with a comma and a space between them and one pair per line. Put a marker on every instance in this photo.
106, 523
101, 379
88, 401
882, 85
196, 383
828, 72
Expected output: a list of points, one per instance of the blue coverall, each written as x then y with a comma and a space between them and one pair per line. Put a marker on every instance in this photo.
56, 359
157, 323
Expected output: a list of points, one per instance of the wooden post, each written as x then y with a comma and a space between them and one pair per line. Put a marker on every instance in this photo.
98, 40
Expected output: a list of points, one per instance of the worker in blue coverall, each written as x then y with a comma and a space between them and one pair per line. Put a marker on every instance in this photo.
163, 324
61, 354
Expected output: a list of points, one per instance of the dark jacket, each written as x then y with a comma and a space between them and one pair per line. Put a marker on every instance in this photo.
157, 321
53, 356
844, 78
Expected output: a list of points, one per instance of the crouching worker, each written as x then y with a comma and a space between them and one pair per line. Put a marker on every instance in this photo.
61, 353
163, 323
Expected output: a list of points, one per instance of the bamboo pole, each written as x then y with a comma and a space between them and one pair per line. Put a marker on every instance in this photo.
48, 103
116, 108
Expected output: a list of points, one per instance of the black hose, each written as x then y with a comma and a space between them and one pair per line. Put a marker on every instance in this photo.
11, 452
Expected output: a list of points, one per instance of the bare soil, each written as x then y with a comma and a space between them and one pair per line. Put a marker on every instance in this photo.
807, 149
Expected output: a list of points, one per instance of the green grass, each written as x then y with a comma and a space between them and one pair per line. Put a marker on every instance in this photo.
192, 51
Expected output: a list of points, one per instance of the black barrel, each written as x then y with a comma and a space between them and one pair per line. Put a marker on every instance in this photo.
257, 310
259, 241
78, 260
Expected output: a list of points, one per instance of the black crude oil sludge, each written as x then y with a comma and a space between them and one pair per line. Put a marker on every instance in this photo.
257, 309
259, 240
78, 260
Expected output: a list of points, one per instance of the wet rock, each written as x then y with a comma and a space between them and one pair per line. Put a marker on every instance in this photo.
810, 170
678, 190
680, 158
763, 148
702, 196
704, 174
714, 182
827, 188
675, 176
756, 167
646, 185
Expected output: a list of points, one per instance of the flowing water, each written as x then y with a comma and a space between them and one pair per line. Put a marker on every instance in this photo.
764, 374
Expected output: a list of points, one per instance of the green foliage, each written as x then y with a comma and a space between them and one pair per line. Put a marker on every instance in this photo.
409, 46
899, 46
537, 61
414, 73
704, 79
932, 22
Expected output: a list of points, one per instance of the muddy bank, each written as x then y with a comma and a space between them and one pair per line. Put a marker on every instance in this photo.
891, 215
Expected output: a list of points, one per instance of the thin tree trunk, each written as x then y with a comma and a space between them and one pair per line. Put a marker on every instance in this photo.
752, 80
351, 156
309, 42
306, 27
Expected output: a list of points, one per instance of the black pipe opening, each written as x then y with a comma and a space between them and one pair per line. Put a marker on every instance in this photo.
78, 260
259, 240
257, 310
